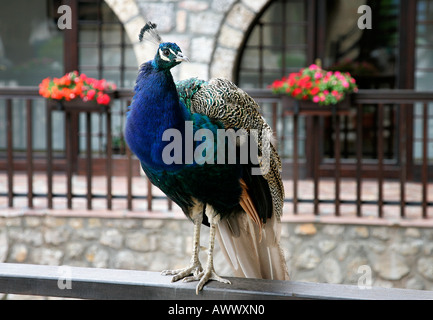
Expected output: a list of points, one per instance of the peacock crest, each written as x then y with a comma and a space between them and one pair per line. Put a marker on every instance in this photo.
149, 33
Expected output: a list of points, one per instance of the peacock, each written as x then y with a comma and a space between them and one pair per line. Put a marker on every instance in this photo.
175, 130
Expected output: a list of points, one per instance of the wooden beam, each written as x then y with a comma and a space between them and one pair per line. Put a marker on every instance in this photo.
95, 283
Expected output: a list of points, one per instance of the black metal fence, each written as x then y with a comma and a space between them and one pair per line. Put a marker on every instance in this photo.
383, 136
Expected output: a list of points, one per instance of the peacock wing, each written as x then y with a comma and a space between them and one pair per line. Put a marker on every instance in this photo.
251, 248
222, 100
187, 88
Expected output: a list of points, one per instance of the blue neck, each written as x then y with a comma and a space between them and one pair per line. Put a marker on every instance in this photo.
154, 109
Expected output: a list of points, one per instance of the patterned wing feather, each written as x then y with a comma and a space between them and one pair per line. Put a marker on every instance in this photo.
222, 100
187, 88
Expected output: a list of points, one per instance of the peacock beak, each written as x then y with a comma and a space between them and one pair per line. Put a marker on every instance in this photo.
180, 57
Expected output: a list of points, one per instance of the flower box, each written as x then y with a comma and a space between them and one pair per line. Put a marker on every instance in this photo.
78, 105
315, 91
75, 90
305, 107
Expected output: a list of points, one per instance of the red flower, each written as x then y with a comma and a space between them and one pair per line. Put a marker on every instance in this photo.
296, 92
91, 94
314, 91
103, 98
73, 85
314, 83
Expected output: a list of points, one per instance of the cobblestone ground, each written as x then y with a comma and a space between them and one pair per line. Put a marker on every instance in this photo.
139, 188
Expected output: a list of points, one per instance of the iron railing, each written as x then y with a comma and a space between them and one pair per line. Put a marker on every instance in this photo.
394, 134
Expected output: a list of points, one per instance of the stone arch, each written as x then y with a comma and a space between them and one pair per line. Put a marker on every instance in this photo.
229, 39
232, 35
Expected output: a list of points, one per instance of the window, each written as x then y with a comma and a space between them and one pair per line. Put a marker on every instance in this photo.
104, 49
31, 49
424, 46
290, 34
423, 75
370, 55
31, 45
276, 46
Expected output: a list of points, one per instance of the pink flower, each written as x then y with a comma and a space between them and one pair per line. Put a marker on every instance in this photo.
316, 99
314, 67
100, 85
91, 94
318, 75
345, 84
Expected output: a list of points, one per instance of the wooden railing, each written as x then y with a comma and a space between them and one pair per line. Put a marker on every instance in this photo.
95, 283
379, 168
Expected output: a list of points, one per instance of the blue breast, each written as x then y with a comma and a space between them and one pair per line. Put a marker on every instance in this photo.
154, 109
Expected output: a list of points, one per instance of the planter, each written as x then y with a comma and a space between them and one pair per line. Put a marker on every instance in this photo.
303, 107
78, 105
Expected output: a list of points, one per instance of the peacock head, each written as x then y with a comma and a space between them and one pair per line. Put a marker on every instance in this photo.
168, 55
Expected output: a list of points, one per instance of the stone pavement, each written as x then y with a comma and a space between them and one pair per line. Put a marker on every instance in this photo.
139, 188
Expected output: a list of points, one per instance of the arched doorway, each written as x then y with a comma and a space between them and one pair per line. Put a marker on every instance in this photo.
290, 34
281, 39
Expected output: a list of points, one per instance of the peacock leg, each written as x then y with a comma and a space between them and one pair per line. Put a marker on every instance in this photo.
195, 266
209, 272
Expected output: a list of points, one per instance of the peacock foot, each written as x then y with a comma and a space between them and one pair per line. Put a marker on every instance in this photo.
203, 277
178, 274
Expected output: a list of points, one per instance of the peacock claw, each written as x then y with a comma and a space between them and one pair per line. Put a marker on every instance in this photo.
179, 274
203, 277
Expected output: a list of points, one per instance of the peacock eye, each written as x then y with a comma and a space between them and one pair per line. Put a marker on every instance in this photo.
166, 52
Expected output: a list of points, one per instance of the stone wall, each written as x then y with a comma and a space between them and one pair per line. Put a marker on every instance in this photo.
209, 32
390, 256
